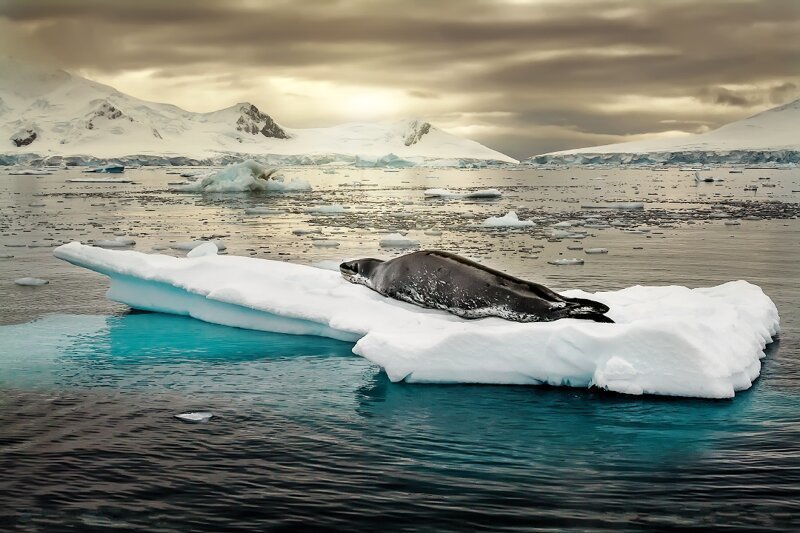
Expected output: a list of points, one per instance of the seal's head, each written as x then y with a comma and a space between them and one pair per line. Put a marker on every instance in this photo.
359, 270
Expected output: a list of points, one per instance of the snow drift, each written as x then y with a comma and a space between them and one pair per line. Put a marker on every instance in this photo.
666, 340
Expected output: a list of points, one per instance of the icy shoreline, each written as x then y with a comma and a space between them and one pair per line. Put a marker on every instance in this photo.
667, 340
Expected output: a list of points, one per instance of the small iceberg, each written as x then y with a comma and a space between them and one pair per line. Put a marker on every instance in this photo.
191, 245
703, 342
118, 242
332, 209
509, 220
195, 417
396, 240
31, 282
247, 176
108, 169
596, 250
564, 262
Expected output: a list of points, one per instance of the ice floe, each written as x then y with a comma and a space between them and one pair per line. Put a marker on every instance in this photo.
396, 240
195, 417
118, 242
667, 340
509, 220
31, 282
247, 176
565, 261
191, 245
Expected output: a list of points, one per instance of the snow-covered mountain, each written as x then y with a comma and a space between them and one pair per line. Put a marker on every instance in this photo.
770, 136
51, 115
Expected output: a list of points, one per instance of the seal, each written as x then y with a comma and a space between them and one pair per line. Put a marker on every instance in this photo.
446, 281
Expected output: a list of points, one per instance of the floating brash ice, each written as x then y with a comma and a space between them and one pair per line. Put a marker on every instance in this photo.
668, 340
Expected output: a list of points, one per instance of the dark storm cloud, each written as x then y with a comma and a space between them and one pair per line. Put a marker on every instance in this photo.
544, 74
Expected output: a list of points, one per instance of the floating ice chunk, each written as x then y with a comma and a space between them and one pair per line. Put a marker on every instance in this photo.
560, 234
196, 417
509, 220
433, 232
325, 243
203, 249
565, 224
332, 209
118, 242
306, 231
732, 222
36, 204
31, 282
563, 262
6, 256
596, 250
396, 240
574, 247
247, 176
191, 245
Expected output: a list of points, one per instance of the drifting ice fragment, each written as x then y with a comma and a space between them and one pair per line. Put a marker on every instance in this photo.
333, 209
191, 245
198, 417
395, 240
119, 242
31, 282
204, 249
509, 220
325, 243
561, 262
596, 250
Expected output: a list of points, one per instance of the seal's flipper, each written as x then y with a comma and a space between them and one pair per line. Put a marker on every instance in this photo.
597, 307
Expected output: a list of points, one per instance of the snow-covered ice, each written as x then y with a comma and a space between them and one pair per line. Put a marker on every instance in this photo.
247, 176
667, 340
195, 417
117, 242
31, 282
509, 220
566, 262
191, 245
203, 249
396, 240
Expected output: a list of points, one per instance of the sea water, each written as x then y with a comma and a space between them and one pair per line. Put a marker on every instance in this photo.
306, 433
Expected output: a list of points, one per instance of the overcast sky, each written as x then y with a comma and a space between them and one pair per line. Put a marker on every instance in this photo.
524, 77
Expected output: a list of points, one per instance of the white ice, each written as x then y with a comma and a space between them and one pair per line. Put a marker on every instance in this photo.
31, 282
509, 220
396, 240
247, 176
667, 340
196, 417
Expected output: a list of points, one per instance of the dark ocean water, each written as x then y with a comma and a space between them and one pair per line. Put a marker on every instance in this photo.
307, 435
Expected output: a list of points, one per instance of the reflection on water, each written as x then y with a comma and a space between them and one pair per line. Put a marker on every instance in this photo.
305, 431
